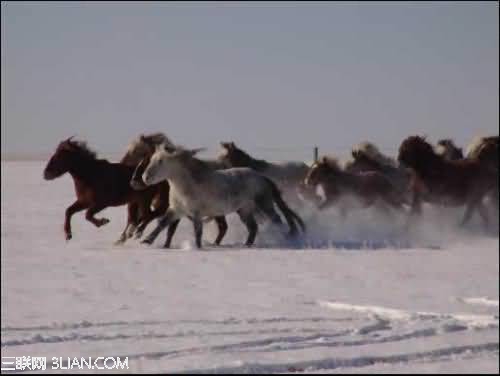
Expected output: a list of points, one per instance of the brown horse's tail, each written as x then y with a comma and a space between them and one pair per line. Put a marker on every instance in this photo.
291, 217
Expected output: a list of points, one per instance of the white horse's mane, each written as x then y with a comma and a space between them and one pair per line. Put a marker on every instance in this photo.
155, 139
372, 151
474, 146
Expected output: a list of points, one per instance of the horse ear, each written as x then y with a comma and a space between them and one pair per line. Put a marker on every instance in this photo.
228, 145
142, 137
324, 159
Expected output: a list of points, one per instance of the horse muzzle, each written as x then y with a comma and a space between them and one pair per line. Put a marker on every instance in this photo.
48, 175
138, 185
148, 179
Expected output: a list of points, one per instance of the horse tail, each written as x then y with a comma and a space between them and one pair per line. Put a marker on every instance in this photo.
291, 217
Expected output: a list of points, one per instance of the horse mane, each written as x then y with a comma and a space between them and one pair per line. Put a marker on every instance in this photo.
196, 166
359, 155
81, 148
447, 145
256, 164
331, 162
152, 139
371, 151
157, 138
446, 141
421, 155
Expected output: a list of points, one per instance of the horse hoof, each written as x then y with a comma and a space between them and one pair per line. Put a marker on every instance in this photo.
104, 221
68, 237
119, 242
147, 241
138, 235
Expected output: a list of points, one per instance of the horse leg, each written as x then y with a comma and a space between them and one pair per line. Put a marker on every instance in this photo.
89, 216
146, 217
171, 232
198, 230
416, 209
483, 212
160, 202
74, 208
222, 225
249, 220
329, 201
131, 218
162, 223
384, 208
343, 212
469, 210
267, 207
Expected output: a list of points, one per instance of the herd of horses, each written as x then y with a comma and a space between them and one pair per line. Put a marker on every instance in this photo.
158, 179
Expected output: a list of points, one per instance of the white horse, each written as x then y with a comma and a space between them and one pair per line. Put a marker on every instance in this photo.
139, 151
197, 191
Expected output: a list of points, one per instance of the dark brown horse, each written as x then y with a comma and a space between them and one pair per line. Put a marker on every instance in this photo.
368, 187
451, 183
98, 183
140, 148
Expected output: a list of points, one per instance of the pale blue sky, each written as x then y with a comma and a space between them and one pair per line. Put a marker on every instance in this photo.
284, 75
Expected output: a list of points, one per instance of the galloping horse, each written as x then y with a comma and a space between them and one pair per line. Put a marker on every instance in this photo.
98, 183
197, 191
368, 187
451, 183
367, 157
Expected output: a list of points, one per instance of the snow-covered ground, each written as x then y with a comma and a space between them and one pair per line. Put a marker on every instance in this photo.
428, 303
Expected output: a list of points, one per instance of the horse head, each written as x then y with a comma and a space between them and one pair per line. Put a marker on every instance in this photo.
65, 156
415, 152
319, 170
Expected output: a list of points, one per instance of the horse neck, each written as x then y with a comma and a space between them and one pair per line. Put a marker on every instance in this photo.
346, 178
256, 164
83, 168
432, 165
188, 177
183, 183
215, 164
260, 164
340, 177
